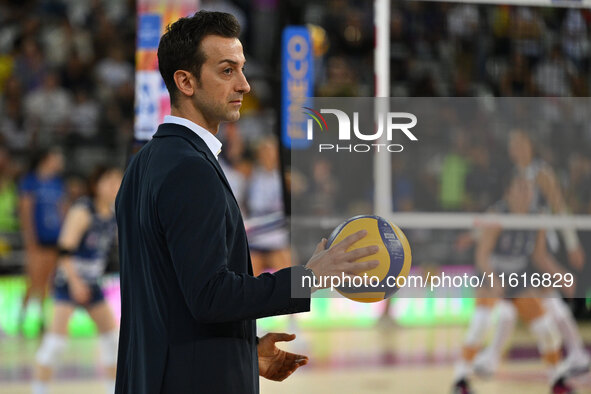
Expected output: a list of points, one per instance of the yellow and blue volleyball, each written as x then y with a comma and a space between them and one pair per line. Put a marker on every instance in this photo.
394, 256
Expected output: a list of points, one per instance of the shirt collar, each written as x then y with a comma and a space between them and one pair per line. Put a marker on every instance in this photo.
214, 145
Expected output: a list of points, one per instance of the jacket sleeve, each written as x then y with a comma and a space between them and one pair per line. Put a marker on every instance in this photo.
191, 208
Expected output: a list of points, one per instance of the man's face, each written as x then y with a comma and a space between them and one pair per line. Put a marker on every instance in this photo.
222, 85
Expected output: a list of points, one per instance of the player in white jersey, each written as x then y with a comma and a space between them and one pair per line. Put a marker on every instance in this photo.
510, 251
547, 194
547, 190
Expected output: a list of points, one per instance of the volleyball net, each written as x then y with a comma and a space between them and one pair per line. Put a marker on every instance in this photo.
450, 163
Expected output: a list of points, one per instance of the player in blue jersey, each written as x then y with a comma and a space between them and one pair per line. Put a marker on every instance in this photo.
504, 251
42, 204
89, 231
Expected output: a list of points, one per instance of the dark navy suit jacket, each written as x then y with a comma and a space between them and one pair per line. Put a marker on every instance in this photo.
189, 299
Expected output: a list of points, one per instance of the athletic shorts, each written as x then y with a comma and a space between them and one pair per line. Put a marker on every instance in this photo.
516, 287
48, 244
61, 293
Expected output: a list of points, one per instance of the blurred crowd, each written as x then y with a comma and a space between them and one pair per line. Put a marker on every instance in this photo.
467, 50
67, 76
67, 81
67, 86
454, 49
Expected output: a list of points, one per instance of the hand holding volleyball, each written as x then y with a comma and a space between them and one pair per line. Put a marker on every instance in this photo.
393, 254
341, 260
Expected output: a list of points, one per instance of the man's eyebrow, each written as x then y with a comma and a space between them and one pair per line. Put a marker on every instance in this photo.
232, 62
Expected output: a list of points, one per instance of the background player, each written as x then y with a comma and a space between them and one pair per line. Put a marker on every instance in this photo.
269, 240
42, 207
88, 232
546, 193
510, 251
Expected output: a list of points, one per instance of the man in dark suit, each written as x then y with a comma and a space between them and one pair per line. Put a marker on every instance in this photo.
189, 299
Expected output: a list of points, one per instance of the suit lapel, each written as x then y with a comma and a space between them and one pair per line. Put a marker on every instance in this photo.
171, 129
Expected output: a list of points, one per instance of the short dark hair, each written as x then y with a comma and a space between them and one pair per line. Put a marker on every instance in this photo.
180, 46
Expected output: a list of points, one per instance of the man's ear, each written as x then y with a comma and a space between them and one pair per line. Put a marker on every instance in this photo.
185, 82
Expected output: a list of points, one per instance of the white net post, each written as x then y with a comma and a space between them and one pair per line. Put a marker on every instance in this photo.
382, 168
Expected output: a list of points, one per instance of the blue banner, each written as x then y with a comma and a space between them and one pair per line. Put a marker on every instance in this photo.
149, 31
297, 85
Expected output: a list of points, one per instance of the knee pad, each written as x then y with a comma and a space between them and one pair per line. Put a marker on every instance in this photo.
108, 344
557, 308
51, 350
507, 312
547, 334
478, 326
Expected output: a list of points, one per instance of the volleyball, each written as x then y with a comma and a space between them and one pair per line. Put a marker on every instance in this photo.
394, 257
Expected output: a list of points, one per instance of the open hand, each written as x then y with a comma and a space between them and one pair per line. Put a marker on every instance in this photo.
274, 363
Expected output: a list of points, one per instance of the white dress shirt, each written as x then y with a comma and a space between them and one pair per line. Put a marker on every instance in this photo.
214, 145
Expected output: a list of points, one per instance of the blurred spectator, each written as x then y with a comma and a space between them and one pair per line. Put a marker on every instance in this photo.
232, 160
269, 238
30, 65
579, 190
340, 79
424, 86
462, 27
263, 35
350, 27
9, 222
47, 110
517, 80
61, 39
75, 74
500, 21
84, 115
13, 90
12, 127
6, 69
114, 71
322, 190
554, 75
527, 31
454, 170
462, 86
575, 40
463, 21
402, 186
400, 51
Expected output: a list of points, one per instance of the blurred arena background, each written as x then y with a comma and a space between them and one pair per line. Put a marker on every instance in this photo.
74, 75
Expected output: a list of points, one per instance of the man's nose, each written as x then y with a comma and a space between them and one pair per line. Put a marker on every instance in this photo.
243, 86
